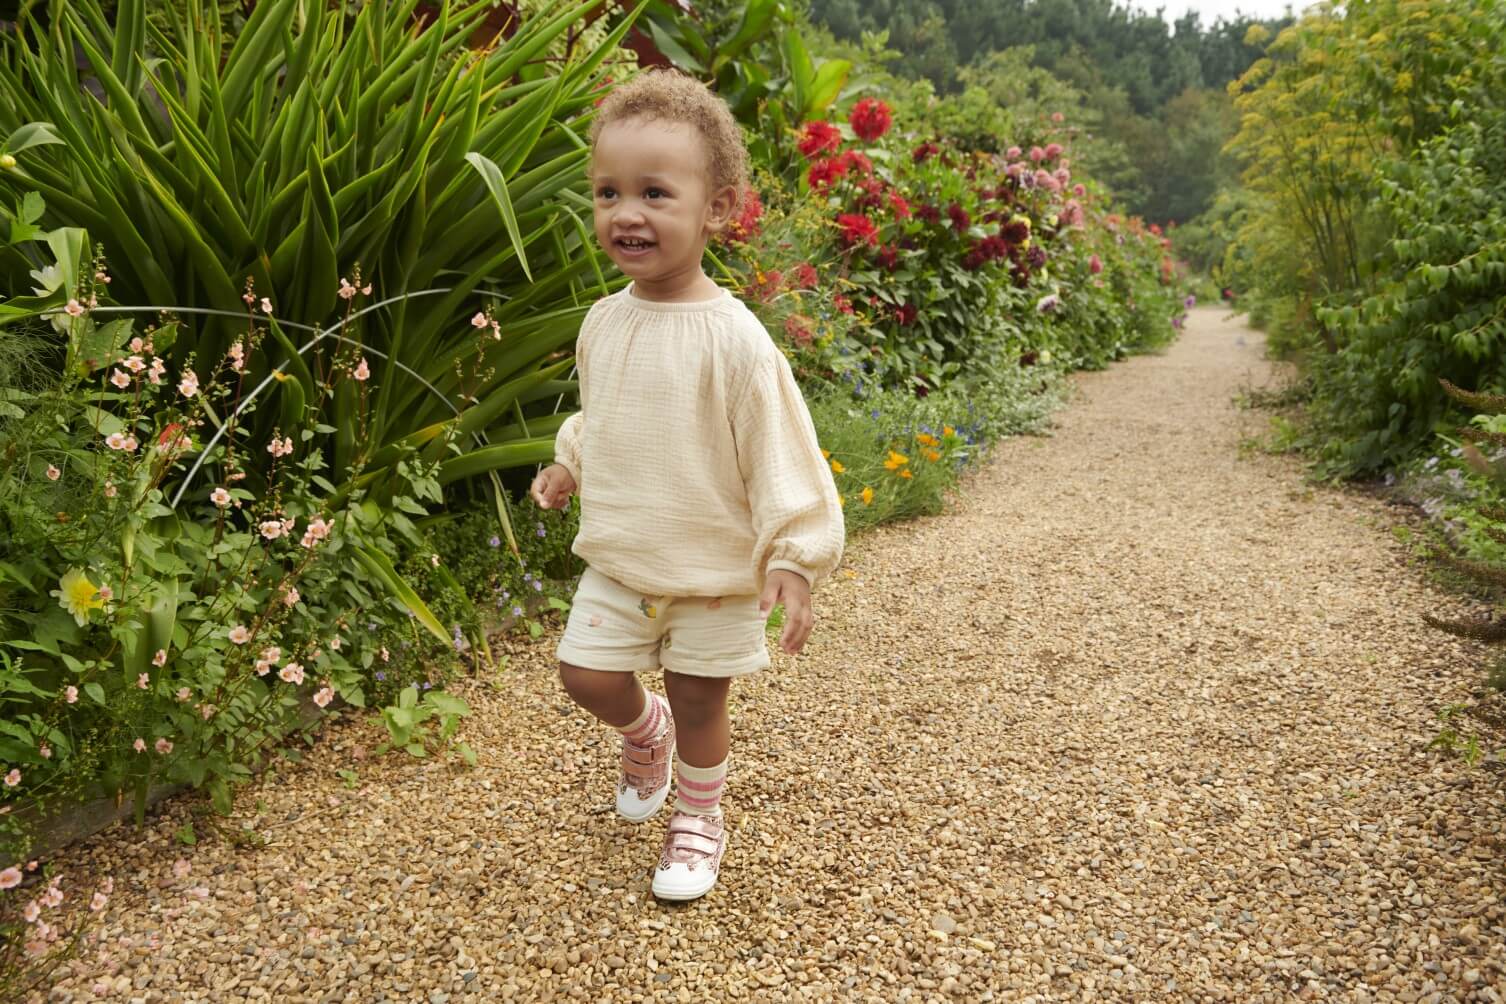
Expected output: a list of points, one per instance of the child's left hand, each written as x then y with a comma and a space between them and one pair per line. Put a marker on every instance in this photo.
791, 589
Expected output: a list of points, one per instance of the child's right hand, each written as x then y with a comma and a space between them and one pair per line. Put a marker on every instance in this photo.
553, 487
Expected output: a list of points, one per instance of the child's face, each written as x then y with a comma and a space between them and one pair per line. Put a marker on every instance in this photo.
654, 205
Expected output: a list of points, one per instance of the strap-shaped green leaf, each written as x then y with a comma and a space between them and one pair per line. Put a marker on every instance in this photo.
496, 187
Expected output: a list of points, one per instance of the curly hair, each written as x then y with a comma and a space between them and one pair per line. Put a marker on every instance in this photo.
670, 96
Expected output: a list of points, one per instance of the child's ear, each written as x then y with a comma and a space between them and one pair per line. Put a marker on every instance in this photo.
719, 212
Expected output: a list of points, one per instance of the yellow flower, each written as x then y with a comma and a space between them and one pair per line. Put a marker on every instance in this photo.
896, 461
826, 454
948, 431
77, 595
868, 496
932, 456
906, 474
842, 501
836, 467
926, 439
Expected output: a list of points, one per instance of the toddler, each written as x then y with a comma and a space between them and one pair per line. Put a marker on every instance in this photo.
704, 497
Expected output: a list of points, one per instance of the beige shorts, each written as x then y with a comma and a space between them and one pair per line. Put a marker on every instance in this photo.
615, 629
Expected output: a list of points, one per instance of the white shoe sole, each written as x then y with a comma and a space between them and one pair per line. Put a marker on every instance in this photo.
648, 809
676, 884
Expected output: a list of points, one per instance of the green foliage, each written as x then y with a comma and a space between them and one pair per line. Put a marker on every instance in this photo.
318, 147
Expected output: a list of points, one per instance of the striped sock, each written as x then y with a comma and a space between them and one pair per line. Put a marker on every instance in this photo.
698, 790
647, 726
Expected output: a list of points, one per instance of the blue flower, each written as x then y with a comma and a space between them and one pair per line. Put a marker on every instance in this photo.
542, 531
506, 594
517, 611
538, 586
495, 541
428, 685
381, 676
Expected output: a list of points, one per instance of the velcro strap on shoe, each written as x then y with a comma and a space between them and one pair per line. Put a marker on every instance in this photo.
694, 842
636, 754
692, 825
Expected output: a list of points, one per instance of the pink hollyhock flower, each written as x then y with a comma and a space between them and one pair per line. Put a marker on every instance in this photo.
1095, 264
139, 745
1013, 153
10, 878
1037, 154
164, 746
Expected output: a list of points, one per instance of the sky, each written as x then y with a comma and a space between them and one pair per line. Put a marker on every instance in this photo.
1211, 10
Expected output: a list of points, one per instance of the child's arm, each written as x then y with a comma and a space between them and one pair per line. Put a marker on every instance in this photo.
555, 484
793, 499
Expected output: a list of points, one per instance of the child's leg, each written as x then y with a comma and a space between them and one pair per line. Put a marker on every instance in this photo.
648, 734
700, 707
616, 698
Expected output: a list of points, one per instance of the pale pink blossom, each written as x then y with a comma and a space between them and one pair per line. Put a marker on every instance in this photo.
346, 290
271, 529
362, 371
13, 778
266, 305
163, 746
316, 531
335, 643
263, 667
137, 345
237, 355
1079, 190
121, 379
291, 673
130, 444
249, 297
290, 596
98, 902
272, 654
1053, 150
135, 363
189, 385
1013, 153
155, 373
53, 473
70, 694
10, 878
53, 897
139, 745
1037, 154
480, 320
115, 440
143, 681
206, 711
106, 593
160, 659
184, 693
280, 447
386, 656
220, 497
44, 751
1057, 117
110, 490
31, 912
74, 309
323, 697
239, 634
434, 560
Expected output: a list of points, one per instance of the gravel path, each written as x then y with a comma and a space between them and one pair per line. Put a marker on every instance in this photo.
1141, 719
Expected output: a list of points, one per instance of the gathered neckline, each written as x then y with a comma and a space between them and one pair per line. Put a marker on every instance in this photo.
722, 299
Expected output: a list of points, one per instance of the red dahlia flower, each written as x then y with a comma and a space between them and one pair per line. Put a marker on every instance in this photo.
924, 152
960, 220
858, 162
745, 226
870, 119
857, 229
827, 172
906, 314
899, 205
806, 276
888, 257
819, 137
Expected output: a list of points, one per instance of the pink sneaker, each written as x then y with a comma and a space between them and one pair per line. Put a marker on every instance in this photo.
644, 783
692, 854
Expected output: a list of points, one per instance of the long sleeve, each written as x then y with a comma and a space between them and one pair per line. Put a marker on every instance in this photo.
797, 519
567, 446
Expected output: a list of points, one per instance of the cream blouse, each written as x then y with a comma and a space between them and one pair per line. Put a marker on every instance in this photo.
694, 454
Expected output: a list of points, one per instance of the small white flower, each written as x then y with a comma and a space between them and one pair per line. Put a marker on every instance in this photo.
220, 497
272, 654
53, 473
266, 305
291, 673
189, 385
290, 596
480, 321
143, 681
324, 696
239, 634
74, 308
160, 659
335, 643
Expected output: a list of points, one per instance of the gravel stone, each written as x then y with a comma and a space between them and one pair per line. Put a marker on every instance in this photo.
1144, 716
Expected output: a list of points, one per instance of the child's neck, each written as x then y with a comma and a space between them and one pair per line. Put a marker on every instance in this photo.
689, 287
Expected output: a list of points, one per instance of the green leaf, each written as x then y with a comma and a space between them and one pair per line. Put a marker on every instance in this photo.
447, 704
29, 135
95, 692
496, 185
416, 749
825, 87
466, 753
379, 566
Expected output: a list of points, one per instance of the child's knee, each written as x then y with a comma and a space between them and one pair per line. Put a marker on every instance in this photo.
696, 698
585, 686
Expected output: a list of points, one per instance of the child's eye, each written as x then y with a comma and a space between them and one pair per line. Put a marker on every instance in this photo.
656, 193
606, 192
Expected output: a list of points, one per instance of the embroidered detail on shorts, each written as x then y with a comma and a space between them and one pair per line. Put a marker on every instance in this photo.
667, 643
715, 604
596, 620
649, 610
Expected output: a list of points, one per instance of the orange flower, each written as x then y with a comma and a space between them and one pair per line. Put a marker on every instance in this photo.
868, 496
948, 431
906, 474
932, 456
926, 439
896, 461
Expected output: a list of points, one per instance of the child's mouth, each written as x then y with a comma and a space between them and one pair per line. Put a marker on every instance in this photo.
632, 246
